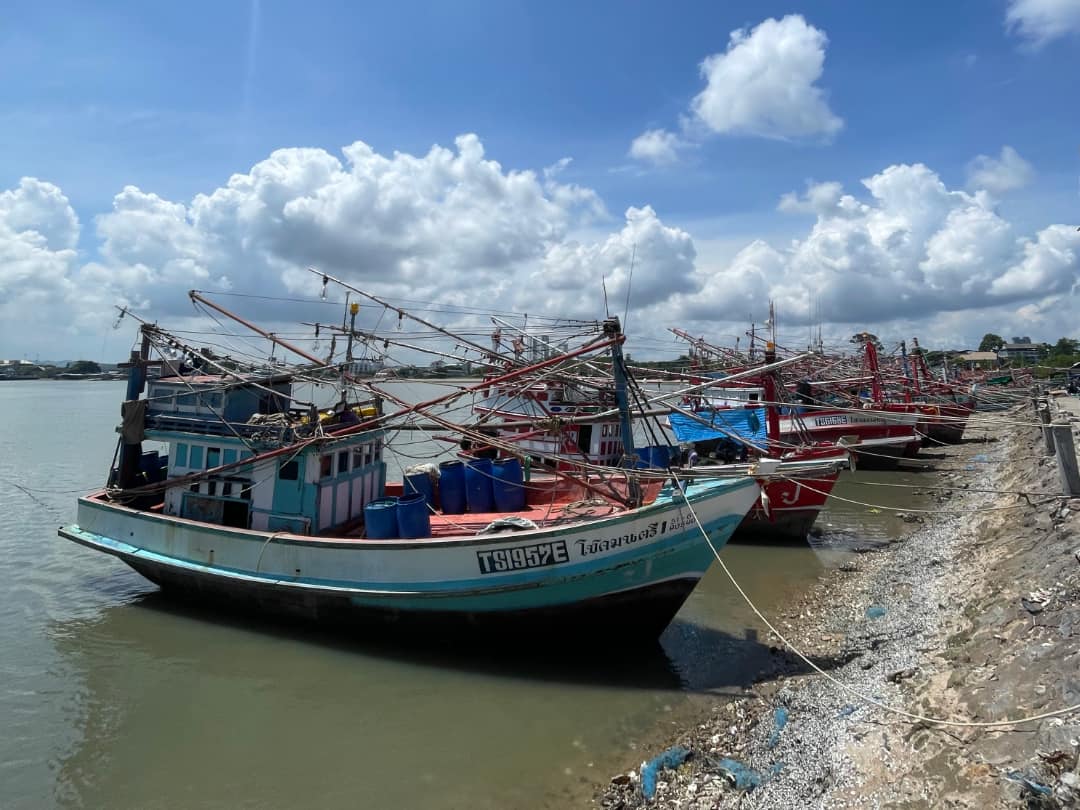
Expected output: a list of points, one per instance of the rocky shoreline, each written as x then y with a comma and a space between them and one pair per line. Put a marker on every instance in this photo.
973, 615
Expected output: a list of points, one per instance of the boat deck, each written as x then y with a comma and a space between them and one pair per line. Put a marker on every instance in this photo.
550, 501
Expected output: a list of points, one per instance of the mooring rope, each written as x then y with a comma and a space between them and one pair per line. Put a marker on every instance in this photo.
911, 716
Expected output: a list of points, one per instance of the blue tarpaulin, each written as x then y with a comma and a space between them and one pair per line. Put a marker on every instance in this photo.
747, 423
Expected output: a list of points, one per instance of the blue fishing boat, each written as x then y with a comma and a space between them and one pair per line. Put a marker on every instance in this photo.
263, 503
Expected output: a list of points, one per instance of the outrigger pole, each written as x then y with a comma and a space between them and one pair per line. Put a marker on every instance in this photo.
484, 350
593, 345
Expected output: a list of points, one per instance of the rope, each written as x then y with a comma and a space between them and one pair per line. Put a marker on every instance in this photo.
1023, 495
920, 718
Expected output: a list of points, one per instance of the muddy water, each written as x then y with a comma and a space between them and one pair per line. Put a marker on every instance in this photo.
112, 696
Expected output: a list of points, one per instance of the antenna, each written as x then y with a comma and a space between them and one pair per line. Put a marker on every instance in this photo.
629, 282
603, 287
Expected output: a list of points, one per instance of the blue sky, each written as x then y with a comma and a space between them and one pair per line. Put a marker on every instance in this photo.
175, 98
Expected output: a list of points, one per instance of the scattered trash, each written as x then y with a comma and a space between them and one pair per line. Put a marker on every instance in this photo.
1067, 791
902, 674
847, 711
1028, 784
981, 457
740, 776
1055, 757
1036, 601
672, 758
876, 611
780, 718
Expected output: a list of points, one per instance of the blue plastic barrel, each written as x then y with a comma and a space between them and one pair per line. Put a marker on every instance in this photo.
452, 487
380, 518
413, 518
421, 482
479, 496
508, 485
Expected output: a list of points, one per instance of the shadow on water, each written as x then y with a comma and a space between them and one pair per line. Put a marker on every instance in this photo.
688, 657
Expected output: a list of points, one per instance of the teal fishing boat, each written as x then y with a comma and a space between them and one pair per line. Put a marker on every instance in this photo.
271, 505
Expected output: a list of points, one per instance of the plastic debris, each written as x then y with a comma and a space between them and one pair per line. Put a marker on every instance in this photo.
780, 718
1036, 601
876, 611
1028, 784
847, 711
672, 758
740, 776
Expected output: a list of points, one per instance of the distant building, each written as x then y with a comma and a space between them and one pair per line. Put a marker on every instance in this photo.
973, 360
1021, 348
10, 368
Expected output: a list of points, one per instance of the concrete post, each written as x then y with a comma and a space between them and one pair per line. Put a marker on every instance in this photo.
1048, 436
1066, 459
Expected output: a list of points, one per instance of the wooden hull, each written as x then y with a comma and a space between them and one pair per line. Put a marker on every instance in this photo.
642, 562
945, 424
878, 438
793, 506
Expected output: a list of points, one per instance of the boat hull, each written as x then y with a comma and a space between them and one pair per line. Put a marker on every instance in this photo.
637, 567
793, 506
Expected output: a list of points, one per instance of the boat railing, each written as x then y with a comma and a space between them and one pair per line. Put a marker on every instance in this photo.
266, 432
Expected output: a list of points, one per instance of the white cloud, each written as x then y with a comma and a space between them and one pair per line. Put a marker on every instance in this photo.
657, 146
1001, 174
454, 226
40, 208
764, 84
1040, 21
822, 199
913, 250
654, 260
38, 234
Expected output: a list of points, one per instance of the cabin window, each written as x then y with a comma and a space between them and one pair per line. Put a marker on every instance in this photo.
212, 400
235, 513
375, 453
186, 400
213, 457
180, 455
326, 466
226, 489
753, 397
211, 488
228, 456
343, 462
289, 471
358, 458
195, 459
584, 440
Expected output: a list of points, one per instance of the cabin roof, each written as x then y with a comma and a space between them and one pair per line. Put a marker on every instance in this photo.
221, 379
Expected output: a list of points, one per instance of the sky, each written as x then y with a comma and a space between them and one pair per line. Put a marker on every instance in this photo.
910, 169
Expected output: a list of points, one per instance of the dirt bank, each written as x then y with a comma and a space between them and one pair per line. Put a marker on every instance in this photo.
973, 615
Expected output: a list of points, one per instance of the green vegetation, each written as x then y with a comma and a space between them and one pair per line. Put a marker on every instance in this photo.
83, 367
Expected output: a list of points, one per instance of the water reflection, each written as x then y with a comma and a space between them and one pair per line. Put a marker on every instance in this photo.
180, 704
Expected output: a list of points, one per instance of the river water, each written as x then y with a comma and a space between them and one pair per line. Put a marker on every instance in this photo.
112, 696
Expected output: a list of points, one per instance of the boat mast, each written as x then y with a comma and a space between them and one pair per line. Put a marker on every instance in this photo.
613, 332
131, 451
